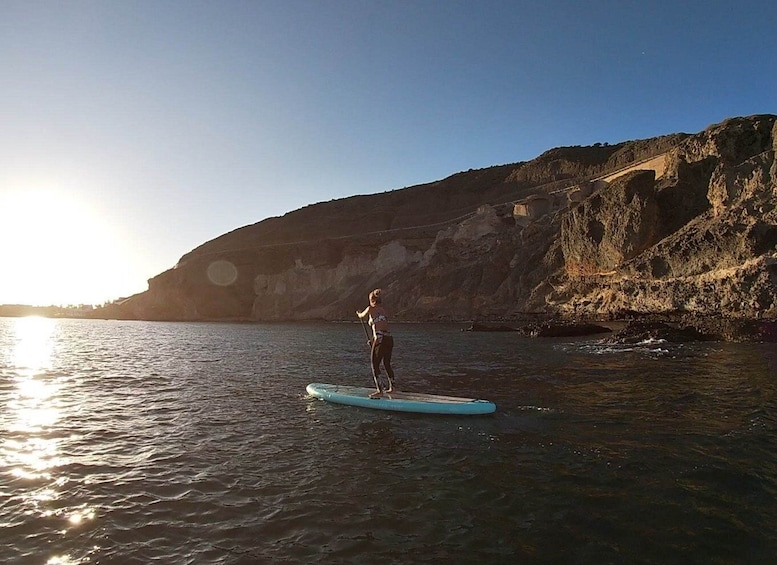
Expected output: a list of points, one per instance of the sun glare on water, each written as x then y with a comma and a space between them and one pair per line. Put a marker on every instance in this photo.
26, 450
34, 412
57, 250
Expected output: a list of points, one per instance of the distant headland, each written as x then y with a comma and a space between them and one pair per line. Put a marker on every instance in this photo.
75, 311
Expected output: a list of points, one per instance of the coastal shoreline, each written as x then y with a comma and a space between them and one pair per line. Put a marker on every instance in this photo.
629, 328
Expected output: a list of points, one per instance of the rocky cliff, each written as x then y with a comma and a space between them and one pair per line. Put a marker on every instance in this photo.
675, 224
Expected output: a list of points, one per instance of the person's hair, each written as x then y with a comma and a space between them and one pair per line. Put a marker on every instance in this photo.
375, 296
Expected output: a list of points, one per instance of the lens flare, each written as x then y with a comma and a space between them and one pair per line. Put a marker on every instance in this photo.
222, 273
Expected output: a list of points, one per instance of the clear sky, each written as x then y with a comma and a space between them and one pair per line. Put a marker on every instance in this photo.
133, 131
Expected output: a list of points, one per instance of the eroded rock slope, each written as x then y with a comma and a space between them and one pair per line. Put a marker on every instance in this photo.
675, 224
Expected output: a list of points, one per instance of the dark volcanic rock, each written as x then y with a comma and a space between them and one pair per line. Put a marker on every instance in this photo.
734, 329
477, 327
695, 328
641, 331
547, 329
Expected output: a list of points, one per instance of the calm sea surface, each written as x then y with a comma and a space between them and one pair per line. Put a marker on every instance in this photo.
133, 442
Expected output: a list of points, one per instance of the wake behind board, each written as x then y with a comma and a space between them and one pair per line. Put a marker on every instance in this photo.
400, 401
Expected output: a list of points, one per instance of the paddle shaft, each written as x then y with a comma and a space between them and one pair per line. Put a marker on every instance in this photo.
366, 332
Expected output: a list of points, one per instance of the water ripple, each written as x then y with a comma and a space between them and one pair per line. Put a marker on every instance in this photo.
195, 443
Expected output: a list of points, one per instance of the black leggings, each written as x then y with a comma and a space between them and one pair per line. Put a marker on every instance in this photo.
381, 353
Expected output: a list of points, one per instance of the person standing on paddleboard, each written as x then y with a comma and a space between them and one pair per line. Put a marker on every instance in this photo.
382, 342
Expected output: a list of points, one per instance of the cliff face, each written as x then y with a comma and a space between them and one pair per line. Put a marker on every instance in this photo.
714, 246
680, 223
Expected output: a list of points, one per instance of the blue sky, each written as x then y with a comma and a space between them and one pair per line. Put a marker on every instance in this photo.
133, 131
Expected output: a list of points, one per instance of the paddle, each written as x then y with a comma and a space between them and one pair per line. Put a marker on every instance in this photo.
366, 332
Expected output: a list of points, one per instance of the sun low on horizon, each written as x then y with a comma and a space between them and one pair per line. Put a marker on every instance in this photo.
58, 249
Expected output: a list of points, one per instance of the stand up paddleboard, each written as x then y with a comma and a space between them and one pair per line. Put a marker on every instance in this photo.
400, 401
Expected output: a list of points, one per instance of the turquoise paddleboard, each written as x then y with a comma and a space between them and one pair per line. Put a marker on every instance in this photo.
400, 401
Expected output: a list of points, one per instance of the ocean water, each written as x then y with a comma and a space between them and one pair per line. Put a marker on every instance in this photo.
134, 442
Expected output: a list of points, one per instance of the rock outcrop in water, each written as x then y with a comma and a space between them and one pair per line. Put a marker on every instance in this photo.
680, 224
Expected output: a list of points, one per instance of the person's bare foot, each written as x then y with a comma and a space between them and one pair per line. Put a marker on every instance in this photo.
375, 394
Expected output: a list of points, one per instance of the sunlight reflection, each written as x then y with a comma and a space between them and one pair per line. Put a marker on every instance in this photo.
32, 458
33, 405
61, 560
33, 447
33, 343
45, 495
26, 451
67, 560
81, 515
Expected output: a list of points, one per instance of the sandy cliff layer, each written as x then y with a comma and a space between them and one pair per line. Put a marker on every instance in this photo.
676, 224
